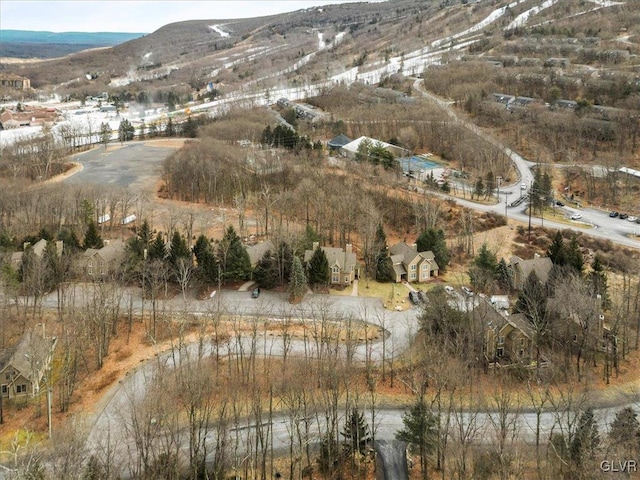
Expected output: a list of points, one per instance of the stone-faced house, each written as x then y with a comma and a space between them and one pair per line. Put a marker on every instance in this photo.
98, 262
342, 263
411, 265
23, 366
509, 339
520, 269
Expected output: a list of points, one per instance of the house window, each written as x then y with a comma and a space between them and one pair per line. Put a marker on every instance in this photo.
575, 338
90, 268
8, 376
521, 353
522, 341
21, 388
412, 276
414, 267
500, 352
336, 269
346, 279
500, 340
5, 390
425, 274
335, 279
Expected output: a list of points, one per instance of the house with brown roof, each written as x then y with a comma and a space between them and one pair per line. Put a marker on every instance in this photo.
98, 262
343, 264
508, 339
23, 366
257, 251
12, 81
411, 265
520, 269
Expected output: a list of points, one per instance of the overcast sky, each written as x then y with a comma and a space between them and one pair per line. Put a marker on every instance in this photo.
134, 16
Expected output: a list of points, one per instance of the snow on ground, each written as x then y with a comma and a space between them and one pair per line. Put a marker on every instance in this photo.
218, 30
523, 18
320, 41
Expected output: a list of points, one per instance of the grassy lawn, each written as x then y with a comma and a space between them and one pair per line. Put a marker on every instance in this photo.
393, 295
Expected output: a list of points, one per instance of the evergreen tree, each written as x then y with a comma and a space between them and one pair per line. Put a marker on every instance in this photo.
382, 261
625, 430
105, 134
310, 237
483, 268
557, 252
574, 255
297, 282
69, 239
190, 129
598, 282
179, 249
92, 238
170, 131
586, 438
233, 258
478, 189
532, 301
153, 130
125, 131
504, 276
141, 130
356, 432
420, 429
207, 269
434, 240
318, 268
157, 250
266, 271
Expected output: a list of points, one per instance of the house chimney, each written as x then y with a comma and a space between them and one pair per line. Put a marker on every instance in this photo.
536, 255
315, 245
348, 248
414, 246
59, 247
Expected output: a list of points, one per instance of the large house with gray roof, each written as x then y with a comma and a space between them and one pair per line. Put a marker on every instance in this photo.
412, 266
343, 264
98, 262
520, 269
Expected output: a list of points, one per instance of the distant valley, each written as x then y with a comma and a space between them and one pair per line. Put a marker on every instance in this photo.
41, 44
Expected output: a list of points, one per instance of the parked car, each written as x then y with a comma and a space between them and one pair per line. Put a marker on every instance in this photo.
576, 216
423, 296
414, 298
632, 218
523, 186
559, 203
449, 289
623, 216
614, 214
255, 293
467, 291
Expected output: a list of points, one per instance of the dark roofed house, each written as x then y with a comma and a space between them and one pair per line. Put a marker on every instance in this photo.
509, 339
520, 269
567, 104
100, 262
411, 265
257, 251
342, 263
23, 366
502, 98
338, 142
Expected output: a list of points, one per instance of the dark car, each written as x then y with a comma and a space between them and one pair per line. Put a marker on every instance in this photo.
414, 297
623, 216
255, 293
614, 214
559, 204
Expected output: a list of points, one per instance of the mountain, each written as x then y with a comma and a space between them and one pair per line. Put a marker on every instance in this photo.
41, 44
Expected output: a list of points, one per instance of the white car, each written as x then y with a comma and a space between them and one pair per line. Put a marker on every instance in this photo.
631, 218
467, 291
576, 216
449, 289
523, 186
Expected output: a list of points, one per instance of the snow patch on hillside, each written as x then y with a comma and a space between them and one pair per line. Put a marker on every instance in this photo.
218, 30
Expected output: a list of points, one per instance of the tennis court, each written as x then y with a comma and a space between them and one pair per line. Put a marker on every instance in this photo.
416, 164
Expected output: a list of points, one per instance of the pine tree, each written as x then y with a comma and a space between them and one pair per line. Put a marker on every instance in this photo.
420, 429
557, 252
504, 276
598, 281
383, 264
625, 430
478, 190
233, 258
157, 249
207, 269
92, 238
356, 432
298, 282
574, 255
105, 134
169, 131
179, 249
434, 240
483, 268
318, 268
125, 131
586, 438
266, 271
